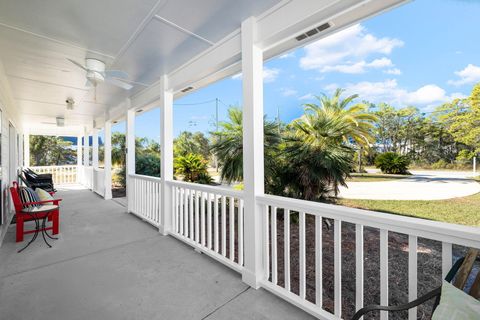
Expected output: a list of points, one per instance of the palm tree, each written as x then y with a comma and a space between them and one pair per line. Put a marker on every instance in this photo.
319, 146
318, 159
354, 122
228, 145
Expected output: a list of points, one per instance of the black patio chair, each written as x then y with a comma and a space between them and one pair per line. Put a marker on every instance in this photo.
35, 177
45, 184
459, 272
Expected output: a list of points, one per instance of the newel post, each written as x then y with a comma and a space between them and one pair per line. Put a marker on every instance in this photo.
253, 170
166, 152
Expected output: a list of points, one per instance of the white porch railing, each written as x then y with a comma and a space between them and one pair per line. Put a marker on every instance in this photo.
60, 174
99, 181
144, 197
280, 208
209, 219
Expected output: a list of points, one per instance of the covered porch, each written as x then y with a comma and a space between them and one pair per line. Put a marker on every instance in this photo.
262, 256
109, 265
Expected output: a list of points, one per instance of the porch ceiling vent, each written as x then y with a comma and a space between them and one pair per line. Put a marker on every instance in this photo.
60, 121
314, 31
187, 89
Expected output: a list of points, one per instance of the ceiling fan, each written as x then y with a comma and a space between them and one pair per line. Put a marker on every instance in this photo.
96, 73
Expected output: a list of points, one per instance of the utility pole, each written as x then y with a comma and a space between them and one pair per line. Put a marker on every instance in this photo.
216, 125
278, 119
360, 160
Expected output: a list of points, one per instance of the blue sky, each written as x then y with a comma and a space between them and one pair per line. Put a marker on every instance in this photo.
421, 54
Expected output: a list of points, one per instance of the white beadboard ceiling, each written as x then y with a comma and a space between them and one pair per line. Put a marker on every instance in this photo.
145, 38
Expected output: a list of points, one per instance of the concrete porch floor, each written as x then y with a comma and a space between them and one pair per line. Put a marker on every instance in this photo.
108, 264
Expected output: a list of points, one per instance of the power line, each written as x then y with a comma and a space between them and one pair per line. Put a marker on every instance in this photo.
194, 103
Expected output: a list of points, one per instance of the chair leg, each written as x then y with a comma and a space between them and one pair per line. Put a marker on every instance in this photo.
55, 222
19, 237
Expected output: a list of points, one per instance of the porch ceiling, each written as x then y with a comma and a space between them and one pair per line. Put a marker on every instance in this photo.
193, 42
37, 37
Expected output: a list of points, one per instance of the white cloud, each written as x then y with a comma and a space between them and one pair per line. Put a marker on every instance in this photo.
394, 71
287, 55
470, 74
360, 66
288, 92
307, 96
347, 51
388, 91
269, 75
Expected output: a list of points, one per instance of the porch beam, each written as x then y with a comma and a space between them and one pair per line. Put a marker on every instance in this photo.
166, 153
108, 160
253, 162
130, 144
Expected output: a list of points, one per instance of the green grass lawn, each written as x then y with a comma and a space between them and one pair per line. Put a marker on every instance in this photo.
372, 177
465, 210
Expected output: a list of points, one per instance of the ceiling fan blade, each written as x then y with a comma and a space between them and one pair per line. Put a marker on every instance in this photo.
77, 64
132, 82
116, 74
119, 83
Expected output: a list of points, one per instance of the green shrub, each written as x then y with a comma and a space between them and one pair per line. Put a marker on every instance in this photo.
392, 163
192, 167
440, 164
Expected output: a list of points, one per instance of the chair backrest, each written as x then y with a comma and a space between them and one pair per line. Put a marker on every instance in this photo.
24, 180
17, 202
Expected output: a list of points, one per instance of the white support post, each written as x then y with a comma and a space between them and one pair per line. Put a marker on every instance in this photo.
79, 160
26, 149
253, 170
130, 143
86, 161
95, 148
166, 165
86, 151
108, 160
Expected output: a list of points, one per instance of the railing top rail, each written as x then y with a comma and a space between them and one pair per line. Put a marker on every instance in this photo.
60, 166
207, 188
143, 177
440, 231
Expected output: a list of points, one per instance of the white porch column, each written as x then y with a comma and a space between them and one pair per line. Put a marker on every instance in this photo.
95, 148
87, 174
130, 143
166, 165
79, 160
108, 160
253, 176
86, 151
26, 149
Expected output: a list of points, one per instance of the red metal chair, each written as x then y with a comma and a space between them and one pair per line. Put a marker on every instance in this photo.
23, 215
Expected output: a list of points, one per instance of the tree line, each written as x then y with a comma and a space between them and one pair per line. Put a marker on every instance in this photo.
311, 156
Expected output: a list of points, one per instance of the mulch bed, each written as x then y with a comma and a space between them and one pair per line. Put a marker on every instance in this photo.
118, 192
429, 266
